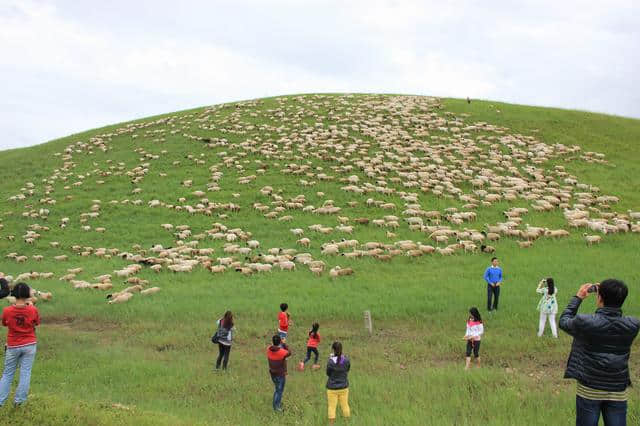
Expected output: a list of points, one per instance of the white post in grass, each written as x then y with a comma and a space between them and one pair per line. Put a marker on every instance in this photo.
367, 322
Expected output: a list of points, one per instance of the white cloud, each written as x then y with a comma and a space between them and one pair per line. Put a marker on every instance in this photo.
73, 66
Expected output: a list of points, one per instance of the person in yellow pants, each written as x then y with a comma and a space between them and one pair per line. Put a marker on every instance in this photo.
338, 383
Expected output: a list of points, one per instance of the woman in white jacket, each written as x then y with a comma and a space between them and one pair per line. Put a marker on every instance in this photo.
548, 305
475, 330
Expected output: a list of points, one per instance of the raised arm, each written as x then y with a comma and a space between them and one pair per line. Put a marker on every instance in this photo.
286, 348
569, 322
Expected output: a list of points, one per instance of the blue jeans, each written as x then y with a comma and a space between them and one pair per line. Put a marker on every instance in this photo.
614, 413
279, 382
24, 356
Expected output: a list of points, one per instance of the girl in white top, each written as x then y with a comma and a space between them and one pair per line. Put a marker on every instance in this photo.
475, 329
548, 305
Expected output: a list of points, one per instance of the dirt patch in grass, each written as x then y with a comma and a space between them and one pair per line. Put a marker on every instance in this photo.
69, 322
165, 347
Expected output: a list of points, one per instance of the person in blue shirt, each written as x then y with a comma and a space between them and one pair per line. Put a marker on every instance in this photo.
493, 277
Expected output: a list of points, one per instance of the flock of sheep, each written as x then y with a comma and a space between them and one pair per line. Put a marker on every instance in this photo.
388, 156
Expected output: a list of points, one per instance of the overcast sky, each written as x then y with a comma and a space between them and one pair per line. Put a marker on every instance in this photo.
68, 66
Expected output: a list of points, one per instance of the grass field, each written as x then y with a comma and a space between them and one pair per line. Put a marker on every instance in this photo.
153, 354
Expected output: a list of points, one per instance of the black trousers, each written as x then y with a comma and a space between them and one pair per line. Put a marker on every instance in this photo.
495, 292
223, 356
309, 351
473, 345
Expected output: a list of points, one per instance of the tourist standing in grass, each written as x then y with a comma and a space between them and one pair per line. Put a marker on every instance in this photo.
277, 355
284, 321
338, 368
493, 277
548, 306
599, 358
312, 347
224, 337
475, 329
21, 320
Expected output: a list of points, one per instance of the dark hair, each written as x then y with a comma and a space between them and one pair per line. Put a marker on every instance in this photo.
276, 340
475, 314
613, 292
494, 258
551, 287
337, 350
21, 291
284, 307
227, 320
314, 330
4, 288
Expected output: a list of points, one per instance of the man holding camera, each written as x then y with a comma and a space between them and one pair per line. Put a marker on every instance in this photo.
599, 358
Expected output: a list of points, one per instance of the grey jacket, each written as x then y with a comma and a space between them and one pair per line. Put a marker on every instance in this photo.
602, 341
337, 372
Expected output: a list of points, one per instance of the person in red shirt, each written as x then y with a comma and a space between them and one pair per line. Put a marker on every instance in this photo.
277, 355
312, 347
21, 319
284, 321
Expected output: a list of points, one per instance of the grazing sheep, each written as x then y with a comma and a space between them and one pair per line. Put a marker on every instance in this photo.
487, 249
216, 269
556, 233
119, 298
44, 295
287, 265
525, 244
151, 290
306, 242
592, 239
328, 249
102, 286
337, 271
383, 257
316, 271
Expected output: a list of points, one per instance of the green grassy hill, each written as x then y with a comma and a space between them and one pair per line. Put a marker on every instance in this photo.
456, 166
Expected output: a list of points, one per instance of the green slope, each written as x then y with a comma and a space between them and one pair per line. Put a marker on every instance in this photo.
152, 353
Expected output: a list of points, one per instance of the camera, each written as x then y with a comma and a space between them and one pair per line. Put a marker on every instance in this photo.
593, 289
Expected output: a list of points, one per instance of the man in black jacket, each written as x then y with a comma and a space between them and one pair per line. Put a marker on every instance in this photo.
599, 358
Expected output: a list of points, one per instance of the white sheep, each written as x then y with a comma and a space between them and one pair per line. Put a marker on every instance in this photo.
120, 298
592, 239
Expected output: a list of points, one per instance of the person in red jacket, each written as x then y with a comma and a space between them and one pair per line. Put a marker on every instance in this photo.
21, 319
284, 321
277, 355
312, 347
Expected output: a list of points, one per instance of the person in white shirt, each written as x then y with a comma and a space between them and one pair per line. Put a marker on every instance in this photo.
475, 329
548, 306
